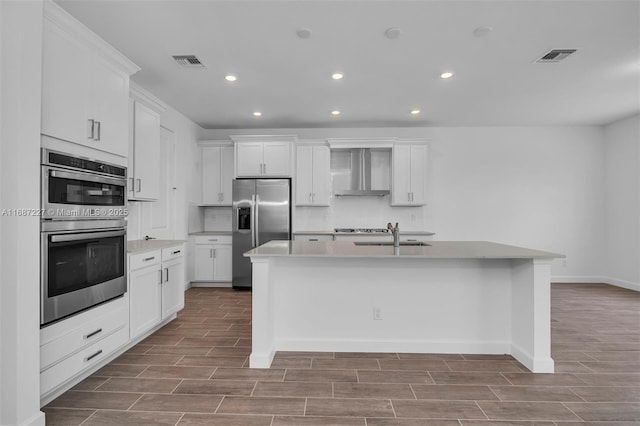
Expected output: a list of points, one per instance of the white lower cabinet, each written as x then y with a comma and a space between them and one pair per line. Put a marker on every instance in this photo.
156, 285
213, 257
72, 346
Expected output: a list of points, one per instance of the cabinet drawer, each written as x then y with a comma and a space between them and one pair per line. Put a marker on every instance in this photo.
85, 334
172, 253
87, 357
212, 239
142, 260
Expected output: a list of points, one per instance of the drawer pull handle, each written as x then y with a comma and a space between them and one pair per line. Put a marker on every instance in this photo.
149, 258
313, 239
90, 357
90, 335
177, 251
213, 239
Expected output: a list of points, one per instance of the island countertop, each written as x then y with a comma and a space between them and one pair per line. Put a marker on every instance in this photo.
434, 250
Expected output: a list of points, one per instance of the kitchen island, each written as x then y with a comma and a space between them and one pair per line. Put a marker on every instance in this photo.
440, 297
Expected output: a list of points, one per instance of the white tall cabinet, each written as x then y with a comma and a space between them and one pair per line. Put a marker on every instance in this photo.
409, 173
144, 146
313, 175
85, 85
217, 174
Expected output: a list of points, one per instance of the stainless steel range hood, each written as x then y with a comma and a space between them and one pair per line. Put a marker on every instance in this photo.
361, 175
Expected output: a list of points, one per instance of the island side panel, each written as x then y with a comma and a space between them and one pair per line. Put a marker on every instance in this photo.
262, 343
531, 314
426, 305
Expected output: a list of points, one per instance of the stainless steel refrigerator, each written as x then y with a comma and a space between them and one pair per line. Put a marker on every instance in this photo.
261, 213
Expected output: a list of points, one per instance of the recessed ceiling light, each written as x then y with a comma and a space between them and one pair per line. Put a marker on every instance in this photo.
393, 32
415, 111
303, 33
230, 77
335, 112
482, 31
257, 113
337, 76
446, 75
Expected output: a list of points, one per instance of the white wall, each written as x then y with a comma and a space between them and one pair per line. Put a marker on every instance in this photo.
537, 187
187, 193
20, 88
622, 202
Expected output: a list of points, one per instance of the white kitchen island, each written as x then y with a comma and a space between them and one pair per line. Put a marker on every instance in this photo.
447, 297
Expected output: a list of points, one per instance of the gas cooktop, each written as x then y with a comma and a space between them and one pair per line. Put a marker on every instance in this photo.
362, 230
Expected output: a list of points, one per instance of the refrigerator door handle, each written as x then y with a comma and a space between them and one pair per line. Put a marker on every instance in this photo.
253, 221
256, 231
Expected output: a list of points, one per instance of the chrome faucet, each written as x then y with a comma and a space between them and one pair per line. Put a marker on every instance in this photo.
396, 233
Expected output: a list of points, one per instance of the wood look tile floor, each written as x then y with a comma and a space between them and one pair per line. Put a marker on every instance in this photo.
194, 371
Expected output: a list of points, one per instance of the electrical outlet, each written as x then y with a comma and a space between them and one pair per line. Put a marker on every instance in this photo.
377, 313
564, 263
413, 217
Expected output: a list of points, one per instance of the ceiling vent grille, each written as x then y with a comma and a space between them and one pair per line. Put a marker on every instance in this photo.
555, 55
188, 61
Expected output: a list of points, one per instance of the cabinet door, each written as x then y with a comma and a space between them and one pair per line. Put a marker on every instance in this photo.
277, 159
227, 176
418, 170
304, 176
66, 86
109, 106
211, 175
145, 299
146, 139
401, 190
173, 287
249, 159
222, 270
203, 263
321, 171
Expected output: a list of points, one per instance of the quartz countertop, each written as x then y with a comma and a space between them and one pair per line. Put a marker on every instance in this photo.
435, 250
139, 246
211, 233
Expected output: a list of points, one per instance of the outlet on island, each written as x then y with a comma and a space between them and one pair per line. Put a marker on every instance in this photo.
377, 313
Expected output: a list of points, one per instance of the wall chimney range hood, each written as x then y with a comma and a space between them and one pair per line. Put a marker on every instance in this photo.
361, 175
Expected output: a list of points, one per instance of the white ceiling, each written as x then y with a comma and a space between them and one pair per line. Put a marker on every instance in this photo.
289, 80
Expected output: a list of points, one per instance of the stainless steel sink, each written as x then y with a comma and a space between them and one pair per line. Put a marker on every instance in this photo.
390, 243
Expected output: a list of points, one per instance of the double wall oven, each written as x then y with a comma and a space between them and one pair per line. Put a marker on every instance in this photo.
83, 234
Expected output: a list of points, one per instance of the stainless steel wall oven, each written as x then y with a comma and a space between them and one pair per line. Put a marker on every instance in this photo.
83, 239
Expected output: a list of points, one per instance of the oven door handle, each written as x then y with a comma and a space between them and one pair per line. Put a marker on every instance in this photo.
85, 235
87, 177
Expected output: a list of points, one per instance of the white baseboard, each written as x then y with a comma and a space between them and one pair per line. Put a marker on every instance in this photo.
536, 365
622, 283
408, 346
570, 279
210, 284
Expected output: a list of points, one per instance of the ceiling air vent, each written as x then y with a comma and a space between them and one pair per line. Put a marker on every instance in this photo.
188, 61
555, 55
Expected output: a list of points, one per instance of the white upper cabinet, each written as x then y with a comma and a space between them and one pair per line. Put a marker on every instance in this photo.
313, 175
409, 174
85, 85
217, 175
263, 156
144, 147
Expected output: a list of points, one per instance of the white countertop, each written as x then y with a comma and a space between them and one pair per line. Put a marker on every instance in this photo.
139, 246
436, 250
